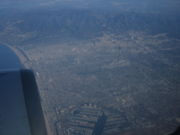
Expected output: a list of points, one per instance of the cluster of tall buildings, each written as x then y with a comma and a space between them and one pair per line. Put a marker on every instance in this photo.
89, 119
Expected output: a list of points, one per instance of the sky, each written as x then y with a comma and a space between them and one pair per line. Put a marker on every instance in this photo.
153, 6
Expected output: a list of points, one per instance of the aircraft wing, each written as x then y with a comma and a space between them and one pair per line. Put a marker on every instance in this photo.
20, 107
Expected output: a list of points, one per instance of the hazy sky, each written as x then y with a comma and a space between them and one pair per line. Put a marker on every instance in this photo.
166, 6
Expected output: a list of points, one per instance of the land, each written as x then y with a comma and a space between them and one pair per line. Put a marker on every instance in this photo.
133, 79
108, 70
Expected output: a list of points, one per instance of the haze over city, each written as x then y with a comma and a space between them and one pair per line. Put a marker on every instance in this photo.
103, 67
